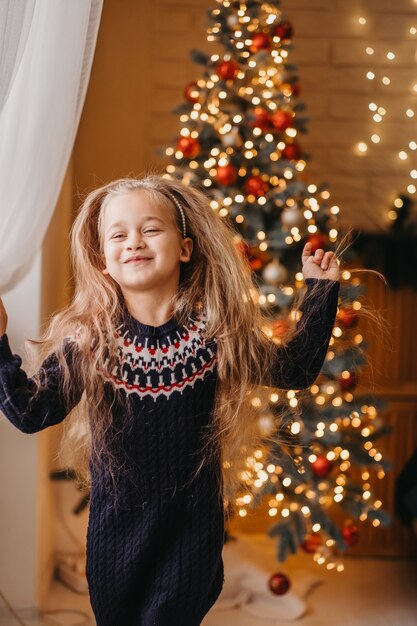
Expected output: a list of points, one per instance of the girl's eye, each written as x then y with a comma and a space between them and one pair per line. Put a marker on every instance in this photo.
117, 235
151, 230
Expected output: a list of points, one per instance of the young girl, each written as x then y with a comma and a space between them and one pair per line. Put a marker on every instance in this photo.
162, 343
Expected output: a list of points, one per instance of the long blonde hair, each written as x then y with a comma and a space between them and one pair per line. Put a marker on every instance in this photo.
217, 280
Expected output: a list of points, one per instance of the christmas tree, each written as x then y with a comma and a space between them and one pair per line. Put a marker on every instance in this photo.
239, 139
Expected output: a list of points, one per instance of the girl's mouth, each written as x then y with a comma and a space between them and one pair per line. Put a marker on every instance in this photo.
137, 258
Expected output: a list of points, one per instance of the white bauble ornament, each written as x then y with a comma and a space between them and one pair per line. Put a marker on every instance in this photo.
292, 216
275, 273
232, 139
232, 21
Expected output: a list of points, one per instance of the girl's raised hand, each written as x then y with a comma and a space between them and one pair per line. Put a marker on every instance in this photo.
3, 318
321, 264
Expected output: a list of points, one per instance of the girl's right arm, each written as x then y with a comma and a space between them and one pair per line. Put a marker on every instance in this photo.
31, 413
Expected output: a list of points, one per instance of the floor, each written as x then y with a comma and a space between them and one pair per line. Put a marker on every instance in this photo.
370, 592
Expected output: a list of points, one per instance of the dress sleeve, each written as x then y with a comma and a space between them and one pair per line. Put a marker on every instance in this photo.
30, 413
297, 365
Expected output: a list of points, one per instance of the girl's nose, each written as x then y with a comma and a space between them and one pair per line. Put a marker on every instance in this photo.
135, 243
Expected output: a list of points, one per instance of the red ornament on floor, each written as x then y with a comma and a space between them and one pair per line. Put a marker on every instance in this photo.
279, 583
321, 466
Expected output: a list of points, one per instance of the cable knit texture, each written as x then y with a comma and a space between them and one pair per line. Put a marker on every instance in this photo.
155, 559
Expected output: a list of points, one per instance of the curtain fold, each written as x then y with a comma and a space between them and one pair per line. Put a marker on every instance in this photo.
15, 20
45, 65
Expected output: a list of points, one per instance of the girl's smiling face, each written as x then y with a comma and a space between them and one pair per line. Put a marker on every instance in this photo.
142, 246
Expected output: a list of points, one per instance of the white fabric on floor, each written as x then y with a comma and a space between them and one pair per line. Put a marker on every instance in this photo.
246, 585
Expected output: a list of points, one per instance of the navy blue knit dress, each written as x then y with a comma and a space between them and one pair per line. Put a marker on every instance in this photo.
155, 559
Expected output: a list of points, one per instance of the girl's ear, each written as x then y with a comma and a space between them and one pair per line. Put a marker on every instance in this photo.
186, 249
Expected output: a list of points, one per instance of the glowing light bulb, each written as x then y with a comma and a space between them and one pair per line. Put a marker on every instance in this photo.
361, 147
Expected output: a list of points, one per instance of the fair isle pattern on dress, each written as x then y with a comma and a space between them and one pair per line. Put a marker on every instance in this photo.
160, 366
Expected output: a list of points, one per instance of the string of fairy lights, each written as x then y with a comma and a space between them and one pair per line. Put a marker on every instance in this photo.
382, 76
256, 84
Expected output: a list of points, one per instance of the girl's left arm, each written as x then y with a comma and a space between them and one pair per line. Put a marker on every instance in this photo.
297, 365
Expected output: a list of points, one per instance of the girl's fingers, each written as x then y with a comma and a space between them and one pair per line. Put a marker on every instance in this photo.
318, 256
306, 252
326, 260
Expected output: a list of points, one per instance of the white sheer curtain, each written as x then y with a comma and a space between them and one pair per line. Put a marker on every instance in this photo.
46, 54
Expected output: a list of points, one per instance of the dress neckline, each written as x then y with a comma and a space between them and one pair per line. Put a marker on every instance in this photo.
146, 329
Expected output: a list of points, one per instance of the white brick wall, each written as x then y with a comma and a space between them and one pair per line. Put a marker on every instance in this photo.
329, 50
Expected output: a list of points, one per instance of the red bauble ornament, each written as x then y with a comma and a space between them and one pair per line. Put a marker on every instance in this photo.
257, 258
189, 146
243, 248
284, 30
321, 467
292, 151
226, 174
262, 119
256, 186
281, 120
317, 240
347, 317
227, 70
311, 542
280, 327
254, 256
350, 534
260, 41
192, 92
279, 583
348, 382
